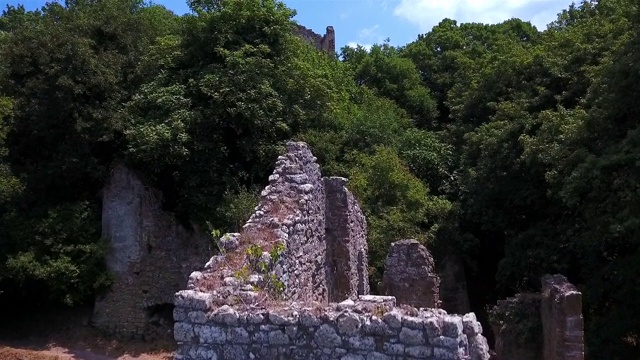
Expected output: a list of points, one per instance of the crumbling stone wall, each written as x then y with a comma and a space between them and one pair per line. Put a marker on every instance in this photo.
547, 325
409, 275
326, 42
293, 205
294, 211
151, 257
562, 322
346, 234
370, 328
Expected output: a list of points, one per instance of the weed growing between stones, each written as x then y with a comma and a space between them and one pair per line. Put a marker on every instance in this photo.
264, 263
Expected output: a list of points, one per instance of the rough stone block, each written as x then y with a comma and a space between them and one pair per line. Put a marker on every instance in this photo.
452, 326
183, 332
361, 342
411, 337
210, 334
326, 336
410, 276
348, 323
194, 300
420, 352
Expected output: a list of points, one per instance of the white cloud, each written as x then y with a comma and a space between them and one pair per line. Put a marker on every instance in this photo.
428, 13
353, 44
369, 33
367, 37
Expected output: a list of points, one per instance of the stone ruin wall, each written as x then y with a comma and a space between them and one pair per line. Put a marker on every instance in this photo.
345, 240
562, 322
558, 312
326, 42
409, 275
293, 206
150, 256
369, 328
221, 316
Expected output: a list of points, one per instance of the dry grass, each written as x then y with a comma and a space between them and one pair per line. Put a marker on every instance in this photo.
236, 259
260, 235
282, 208
8, 353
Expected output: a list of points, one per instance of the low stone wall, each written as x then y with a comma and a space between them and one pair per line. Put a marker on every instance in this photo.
370, 328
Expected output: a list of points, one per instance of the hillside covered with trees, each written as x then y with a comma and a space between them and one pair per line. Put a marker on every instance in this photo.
517, 148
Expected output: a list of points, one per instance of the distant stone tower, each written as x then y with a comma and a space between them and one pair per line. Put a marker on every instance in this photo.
326, 42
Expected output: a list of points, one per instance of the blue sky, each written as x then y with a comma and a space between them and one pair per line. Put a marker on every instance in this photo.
366, 22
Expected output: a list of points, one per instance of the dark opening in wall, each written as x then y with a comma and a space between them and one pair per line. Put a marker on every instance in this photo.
160, 322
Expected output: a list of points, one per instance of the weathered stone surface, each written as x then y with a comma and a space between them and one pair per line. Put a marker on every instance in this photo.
409, 275
330, 340
326, 336
562, 321
348, 323
411, 337
151, 256
346, 236
326, 42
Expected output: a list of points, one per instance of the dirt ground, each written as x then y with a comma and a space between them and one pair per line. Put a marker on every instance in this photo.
67, 335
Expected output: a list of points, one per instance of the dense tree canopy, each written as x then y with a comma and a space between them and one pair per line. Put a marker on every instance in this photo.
514, 147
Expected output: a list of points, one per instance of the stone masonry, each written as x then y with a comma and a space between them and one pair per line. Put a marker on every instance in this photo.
562, 322
410, 276
350, 330
320, 225
227, 312
326, 42
151, 257
345, 240
556, 314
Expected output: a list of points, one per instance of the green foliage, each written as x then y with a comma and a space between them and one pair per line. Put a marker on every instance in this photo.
391, 76
396, 203
521, 318
516, 148
270, 281
236, 208
58, 251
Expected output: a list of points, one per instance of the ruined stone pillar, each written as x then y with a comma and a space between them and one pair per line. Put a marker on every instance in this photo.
329, 40
409, 275
562, 322
346, 236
